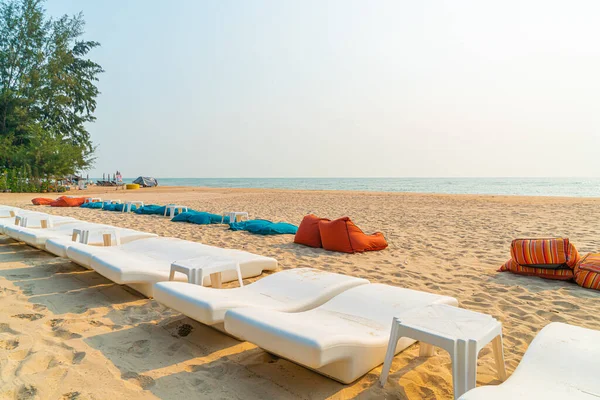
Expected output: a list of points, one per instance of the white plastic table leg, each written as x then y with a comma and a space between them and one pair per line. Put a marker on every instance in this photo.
191, 274
389, 355
459, 378
107, 238
497, 348
426, 350
470, 360
239, 274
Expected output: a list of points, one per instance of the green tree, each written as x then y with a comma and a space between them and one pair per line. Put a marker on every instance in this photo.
47, 90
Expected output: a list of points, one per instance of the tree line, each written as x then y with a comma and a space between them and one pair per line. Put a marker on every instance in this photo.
47, 96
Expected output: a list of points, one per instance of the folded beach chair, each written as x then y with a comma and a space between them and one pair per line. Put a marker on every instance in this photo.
293, 290
561, 363
344, 338
141, 263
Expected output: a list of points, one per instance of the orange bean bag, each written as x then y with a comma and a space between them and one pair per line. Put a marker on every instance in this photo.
342, 235
308, 232
41, 201
545, 258
587, 271
68, 202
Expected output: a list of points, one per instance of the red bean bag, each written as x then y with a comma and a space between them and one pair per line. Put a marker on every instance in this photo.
342, 235
41, 201
68, 202
308, 232
587, 271
552, 258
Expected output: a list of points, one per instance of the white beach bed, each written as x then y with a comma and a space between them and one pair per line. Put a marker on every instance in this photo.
37, 237
293, 290
62, 235
34, 221
59, 245
344, 338
561, 363
7, 216
141, 263
5, 211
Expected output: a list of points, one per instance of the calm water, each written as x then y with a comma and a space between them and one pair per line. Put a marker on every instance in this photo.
573, 187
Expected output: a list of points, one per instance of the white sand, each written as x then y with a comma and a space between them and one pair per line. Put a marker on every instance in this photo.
68, 333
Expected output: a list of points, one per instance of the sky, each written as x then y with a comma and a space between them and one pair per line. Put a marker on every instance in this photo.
328, 88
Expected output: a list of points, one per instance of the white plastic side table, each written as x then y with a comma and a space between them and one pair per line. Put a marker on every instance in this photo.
24, 222
81, 235
462, 333
117, 201
128, 205
233, 216
198, 268
190, 272
107, 236
171, 208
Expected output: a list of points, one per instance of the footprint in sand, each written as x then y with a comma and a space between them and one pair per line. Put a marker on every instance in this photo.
5, 328
27, 392
78, 357
31, 317
71, 396
184, 330
9, 344
144, 381
140, 347
214, 371
64, 334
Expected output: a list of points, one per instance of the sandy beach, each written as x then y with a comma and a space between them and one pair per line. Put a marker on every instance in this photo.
69, 333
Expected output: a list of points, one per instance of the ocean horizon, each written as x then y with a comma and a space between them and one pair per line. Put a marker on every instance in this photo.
556, 187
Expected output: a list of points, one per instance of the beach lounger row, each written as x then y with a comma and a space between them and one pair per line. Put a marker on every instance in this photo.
334, 324
134, 258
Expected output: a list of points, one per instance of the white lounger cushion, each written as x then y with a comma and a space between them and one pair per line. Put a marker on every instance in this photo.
344, 338
36, 217
59, 245
34, 221
292, 290
62, 234
37, 237
561, 363
5, 211
10, 221
142, 263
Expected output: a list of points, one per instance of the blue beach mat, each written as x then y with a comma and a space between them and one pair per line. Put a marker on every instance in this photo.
92, 205
199, 217
264, 227
151, 209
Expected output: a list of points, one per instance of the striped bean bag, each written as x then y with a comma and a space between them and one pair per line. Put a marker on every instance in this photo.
547, 258
587, 272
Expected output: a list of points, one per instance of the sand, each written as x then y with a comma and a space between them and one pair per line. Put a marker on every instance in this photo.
69, 333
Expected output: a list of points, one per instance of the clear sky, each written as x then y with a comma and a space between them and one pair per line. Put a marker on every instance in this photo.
302, 88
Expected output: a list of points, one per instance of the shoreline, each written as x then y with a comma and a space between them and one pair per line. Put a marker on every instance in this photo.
166, 188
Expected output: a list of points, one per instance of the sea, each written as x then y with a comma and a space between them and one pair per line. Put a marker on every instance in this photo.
570, 187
